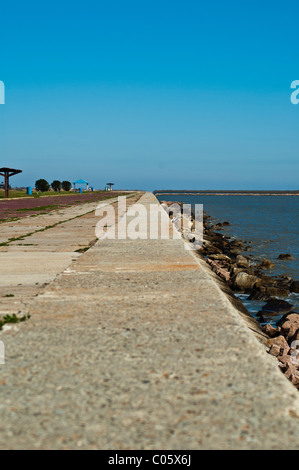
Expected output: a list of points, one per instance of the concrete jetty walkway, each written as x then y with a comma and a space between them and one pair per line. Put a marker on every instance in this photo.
135, 346
34, 250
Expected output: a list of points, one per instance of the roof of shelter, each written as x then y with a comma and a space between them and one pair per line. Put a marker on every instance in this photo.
80, 182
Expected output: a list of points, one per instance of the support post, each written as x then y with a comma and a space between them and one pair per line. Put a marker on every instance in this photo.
7, 172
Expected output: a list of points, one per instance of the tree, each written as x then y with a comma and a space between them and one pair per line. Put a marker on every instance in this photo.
56, 185
66, 185
42, 185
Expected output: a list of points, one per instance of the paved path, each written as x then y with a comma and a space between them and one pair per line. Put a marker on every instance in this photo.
36, 249
135, 346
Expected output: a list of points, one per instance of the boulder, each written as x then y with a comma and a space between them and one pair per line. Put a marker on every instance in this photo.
284, 359
286, 278
294, 287
266, 317
291, 373
259, 296
278, 346
221, 257
282, 283
266, 264
234, 247
273, 291
245, 282
234, 270
219, 270
242, 261
271, 331
278, 306
209, 248
294, 354
285, 256
289, 326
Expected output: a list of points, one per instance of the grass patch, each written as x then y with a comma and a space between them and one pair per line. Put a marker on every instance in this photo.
13, 193
85, 248
82, 250
12, 319
27, 244
10, 219
39, 208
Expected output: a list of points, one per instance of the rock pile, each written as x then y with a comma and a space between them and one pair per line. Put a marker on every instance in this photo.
225, 256
243, 275
284, 344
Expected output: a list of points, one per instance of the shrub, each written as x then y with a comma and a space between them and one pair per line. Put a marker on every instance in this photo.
42, 185
56, 185
66, 185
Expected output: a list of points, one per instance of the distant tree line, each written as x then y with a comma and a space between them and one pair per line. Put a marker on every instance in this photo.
43, 185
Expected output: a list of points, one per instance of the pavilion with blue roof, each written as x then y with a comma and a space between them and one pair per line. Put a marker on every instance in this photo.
80, 182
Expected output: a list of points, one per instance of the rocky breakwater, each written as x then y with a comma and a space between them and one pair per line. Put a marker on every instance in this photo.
245, 275
228, 258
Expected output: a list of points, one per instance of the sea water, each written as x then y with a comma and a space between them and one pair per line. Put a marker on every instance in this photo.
270, 223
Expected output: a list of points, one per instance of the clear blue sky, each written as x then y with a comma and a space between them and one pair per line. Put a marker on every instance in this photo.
151, 94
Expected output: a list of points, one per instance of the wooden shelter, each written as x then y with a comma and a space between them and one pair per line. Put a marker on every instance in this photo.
7, 172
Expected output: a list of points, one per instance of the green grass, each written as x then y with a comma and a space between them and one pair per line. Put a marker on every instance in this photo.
12, 319
82, 250
14, 193
39, 208
18, 193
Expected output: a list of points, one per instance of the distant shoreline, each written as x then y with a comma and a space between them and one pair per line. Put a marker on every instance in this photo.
225, 193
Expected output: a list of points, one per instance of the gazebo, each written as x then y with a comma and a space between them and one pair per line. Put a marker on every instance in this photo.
7, 172
80, 182
109, 186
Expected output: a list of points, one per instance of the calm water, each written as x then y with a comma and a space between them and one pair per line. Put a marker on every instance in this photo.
271, 223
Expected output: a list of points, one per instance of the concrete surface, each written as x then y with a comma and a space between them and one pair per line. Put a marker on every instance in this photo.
41, 247
135, 346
